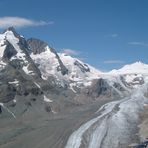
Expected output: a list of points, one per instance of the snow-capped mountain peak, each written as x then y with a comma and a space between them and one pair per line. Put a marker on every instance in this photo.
135, 68
10, 39
36, 54
64, 67
59, 65
36, 57
14, 51
8, 46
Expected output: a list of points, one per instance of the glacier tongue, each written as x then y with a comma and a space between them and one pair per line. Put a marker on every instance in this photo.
116, 124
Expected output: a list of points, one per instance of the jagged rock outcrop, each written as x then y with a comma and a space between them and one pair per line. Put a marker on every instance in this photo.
99, 87
84, 68
9, 51
36, 46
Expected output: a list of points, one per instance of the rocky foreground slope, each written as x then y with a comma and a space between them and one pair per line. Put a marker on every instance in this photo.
47, 95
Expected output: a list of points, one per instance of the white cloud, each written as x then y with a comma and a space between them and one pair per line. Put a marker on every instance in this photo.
20, 22
114, 35
139, 44
114, 62
71, 52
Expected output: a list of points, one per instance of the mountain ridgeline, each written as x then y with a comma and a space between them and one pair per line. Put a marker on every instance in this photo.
32, 68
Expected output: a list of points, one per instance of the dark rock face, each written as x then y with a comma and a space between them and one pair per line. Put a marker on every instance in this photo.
13, 30
25, 48
24, 87
99, 87
27, 88
61, 66
119, 87
84, 68
48, 108
139, 80
0, 109
7, 93
9, 51
36, 46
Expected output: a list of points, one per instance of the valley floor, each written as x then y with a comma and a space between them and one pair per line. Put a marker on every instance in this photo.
50, 132
54, 130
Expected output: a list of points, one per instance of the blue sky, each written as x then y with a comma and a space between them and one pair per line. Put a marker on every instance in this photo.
104, 33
